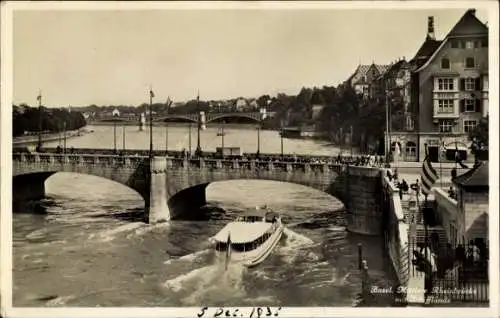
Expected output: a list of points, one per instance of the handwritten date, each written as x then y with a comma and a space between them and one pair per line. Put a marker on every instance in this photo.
255, 312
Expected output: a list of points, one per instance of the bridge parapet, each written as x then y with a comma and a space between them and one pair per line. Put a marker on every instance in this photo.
78, 159
175, 163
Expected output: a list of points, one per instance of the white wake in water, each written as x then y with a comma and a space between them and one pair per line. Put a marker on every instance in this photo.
211, 283
189, 257
109, 235
295, 244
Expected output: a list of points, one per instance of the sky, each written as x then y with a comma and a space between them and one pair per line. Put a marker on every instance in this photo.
80, 58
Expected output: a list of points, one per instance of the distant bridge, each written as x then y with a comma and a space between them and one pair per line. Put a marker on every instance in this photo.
255, 116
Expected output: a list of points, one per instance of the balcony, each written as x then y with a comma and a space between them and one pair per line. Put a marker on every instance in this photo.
439, 113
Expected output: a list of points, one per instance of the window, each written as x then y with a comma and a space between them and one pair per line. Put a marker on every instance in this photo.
469, 44
445, 126
445, 84
469, 125
445, 63
470, 62
411, 149
470, 84
445, 106
409, 123
470, 105
477, 44
455, 44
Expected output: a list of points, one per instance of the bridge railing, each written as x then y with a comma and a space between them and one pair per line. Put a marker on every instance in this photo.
275, 164
89, 159
206, 154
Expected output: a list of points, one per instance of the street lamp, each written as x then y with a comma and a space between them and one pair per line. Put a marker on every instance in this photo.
169, 102
64, 146
151, 95
262, 116
281, 136
40, 118
222, 133
387, 136
201, 125
115, 114
123, 133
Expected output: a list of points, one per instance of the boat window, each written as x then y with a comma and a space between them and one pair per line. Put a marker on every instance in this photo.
245, 247
221, 247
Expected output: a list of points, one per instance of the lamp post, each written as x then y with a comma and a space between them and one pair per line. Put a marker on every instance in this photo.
199, 126
123, 134
262, 116
64, 146
387, 137
40, 119
351, 139
281, 136
222, 138
151, 95
115, 114
190, 126
169, 102
114, 135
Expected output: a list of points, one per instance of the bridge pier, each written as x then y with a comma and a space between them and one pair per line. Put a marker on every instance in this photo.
157, 208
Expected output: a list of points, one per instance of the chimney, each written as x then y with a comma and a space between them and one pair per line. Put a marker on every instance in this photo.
430, 28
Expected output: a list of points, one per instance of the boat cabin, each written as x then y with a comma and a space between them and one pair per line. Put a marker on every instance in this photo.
253, 236
258, 216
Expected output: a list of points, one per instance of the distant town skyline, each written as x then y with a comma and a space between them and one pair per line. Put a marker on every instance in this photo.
80, 58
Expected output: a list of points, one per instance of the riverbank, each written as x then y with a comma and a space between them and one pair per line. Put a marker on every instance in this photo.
33, 139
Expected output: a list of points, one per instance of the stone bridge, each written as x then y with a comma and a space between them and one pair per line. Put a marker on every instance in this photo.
174, 188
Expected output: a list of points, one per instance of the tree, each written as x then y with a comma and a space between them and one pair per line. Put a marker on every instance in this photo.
479, 135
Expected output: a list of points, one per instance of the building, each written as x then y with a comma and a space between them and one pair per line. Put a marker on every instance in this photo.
472, 190
364, 78
240, 104
449, 90
316, 111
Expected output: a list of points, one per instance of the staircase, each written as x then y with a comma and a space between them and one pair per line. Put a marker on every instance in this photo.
418, 235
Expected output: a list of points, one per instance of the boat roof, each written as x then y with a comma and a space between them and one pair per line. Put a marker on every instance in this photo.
242, 232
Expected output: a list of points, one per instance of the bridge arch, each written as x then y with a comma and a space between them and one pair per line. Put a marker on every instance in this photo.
214, 117
188, 118
186, 203
31, 172
187, 194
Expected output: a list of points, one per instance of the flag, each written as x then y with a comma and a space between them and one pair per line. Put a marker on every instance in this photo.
169, 102
428, 175
39, 97
151, 93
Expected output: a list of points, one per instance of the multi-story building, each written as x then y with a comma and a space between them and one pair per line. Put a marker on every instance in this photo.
449, 90
364, 78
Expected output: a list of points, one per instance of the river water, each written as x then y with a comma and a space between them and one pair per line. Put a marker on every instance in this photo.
89, 249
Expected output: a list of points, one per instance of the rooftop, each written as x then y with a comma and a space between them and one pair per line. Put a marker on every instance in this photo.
475, 177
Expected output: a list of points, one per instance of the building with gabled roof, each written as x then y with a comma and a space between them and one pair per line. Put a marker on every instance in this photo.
364, 76
449, 90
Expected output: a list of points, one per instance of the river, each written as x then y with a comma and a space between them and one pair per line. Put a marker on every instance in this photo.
90, 250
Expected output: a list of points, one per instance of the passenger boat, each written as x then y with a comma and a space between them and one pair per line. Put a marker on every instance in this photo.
250, 238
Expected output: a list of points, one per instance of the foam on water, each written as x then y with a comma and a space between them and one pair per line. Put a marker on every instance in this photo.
213, 283
109, 235
189, 257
